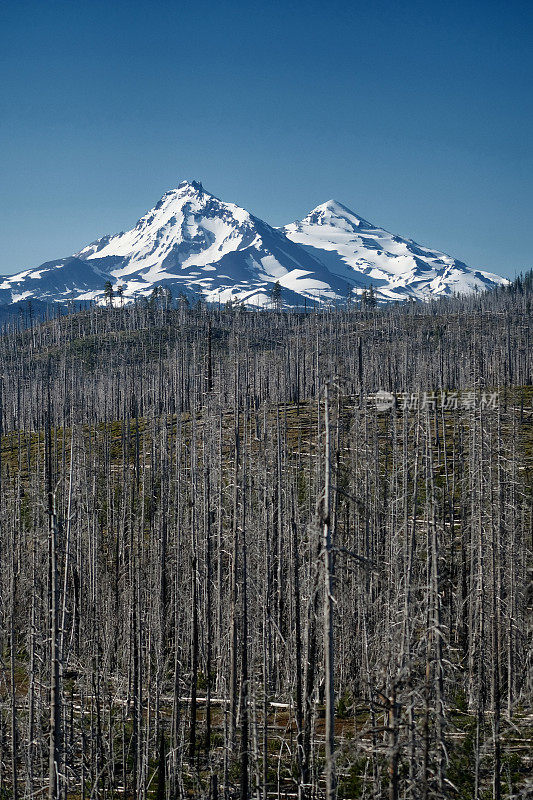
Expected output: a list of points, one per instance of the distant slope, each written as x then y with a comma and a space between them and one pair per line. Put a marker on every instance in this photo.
23, 312
363, 254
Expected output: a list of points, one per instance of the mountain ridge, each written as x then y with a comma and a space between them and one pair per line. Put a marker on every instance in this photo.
196, 244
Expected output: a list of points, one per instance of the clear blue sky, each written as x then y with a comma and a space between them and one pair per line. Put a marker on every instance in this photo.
417, 115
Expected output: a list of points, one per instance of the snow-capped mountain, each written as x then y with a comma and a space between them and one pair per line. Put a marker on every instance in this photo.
361, 253
192, 242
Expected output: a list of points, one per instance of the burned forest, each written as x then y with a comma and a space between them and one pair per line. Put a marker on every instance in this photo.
268, 554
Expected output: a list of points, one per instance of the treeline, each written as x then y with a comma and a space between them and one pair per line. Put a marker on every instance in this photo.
229, 569
165, 359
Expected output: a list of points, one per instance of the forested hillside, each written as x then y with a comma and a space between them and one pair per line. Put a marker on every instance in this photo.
268, 554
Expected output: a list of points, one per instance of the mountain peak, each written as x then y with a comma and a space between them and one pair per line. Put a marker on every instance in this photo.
334, 213
335, 206
185, 189
197, 185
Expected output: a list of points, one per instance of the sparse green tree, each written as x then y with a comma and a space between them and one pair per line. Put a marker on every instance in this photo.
108, 293
275, 296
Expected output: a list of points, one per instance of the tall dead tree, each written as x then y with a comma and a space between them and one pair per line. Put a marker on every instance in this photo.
54, 761
328, 624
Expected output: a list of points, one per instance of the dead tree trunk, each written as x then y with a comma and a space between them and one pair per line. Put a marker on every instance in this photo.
328, 611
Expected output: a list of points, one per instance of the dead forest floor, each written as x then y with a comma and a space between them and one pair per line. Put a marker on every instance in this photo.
357, 741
